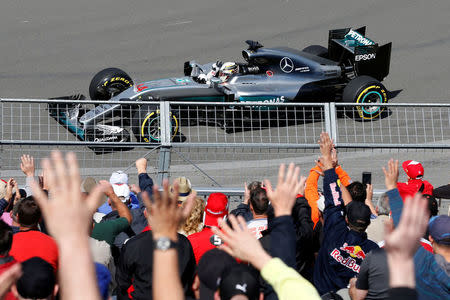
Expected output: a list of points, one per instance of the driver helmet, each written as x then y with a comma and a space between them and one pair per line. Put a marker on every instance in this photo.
227, 70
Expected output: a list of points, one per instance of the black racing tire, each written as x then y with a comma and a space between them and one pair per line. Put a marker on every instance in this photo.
108, 83
364, 89
317, 50
146, 127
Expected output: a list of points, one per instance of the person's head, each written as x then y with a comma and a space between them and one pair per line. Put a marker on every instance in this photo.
193, 222
227, 70
38, 280
259, 202
433, 206
413, 169
118, 177
357, 216
439, 230
358, 191
238, 283
209, 270
122, 191
383, 205
216, 208
184, 188
28, 213
2, 188
253, 185
6, 236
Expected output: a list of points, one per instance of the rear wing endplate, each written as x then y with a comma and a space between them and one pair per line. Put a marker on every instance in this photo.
368, 58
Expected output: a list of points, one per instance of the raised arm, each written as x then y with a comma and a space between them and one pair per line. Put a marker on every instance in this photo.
390, 180
165, 218
69, 218
28, 168
122, 209
283, 238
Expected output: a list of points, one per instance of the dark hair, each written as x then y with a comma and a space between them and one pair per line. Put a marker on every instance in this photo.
6, 237
37, 280
259, 201
28, 212
253, 185
358, 191
432, 204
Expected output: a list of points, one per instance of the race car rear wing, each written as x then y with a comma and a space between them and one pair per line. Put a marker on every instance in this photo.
366, 56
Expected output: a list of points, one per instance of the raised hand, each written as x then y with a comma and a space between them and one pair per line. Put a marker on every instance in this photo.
391, 174
27, 165
66, 215
326, 145
402, 243
288, 186
164, 214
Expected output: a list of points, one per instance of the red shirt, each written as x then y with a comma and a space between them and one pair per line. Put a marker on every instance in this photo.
27, 244
411, 187
200, 242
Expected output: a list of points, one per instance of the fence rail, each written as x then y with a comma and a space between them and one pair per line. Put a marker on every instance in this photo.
187, 124
216, 144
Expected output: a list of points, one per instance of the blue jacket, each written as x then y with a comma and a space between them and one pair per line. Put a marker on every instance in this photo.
342, 249
431, 280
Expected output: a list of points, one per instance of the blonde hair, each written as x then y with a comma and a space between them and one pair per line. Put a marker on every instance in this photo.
194, 223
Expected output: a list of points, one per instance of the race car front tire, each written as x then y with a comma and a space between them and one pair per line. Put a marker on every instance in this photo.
146, 124
108, 83
364, 89
317, 50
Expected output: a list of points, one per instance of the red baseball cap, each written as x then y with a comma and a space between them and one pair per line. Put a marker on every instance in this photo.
413, 168
216, 208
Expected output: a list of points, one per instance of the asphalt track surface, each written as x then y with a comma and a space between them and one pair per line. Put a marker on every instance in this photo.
53, 48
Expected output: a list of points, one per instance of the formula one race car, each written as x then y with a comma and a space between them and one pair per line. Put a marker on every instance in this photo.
350, 70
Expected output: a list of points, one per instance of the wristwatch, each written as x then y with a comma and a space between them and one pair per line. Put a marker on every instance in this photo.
164, 244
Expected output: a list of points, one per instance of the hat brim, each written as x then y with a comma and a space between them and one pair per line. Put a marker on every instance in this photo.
183, 198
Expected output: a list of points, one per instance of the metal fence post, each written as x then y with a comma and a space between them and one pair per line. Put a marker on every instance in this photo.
164, 164
326, 107
333, 122
165, 133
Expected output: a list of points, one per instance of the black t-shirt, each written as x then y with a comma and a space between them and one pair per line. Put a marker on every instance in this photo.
374, 275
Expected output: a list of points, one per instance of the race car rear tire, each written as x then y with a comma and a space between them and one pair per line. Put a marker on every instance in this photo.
316, 50
108, 83
364, 89
146, 124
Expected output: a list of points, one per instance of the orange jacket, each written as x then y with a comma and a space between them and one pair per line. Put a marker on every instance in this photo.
311, 192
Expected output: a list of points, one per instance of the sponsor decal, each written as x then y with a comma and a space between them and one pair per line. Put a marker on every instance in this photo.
269, 73
273, 100
359, 38
286, 65
215, 240
182, 80
106, 139
117, 79
302, 69
354, 251
348, 262
141, 87
365, 56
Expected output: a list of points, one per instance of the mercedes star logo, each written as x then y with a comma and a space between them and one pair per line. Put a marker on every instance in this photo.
286, 65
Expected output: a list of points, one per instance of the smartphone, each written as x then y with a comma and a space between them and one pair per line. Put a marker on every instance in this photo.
367, 178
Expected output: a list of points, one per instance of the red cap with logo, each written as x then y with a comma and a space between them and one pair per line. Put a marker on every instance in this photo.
413, 168
216, 208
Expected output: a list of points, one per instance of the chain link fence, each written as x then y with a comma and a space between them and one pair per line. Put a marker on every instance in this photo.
221, 145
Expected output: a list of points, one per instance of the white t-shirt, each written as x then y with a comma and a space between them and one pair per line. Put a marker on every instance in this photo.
256, 226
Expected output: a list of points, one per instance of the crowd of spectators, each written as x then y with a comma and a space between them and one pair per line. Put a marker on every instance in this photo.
65, 237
